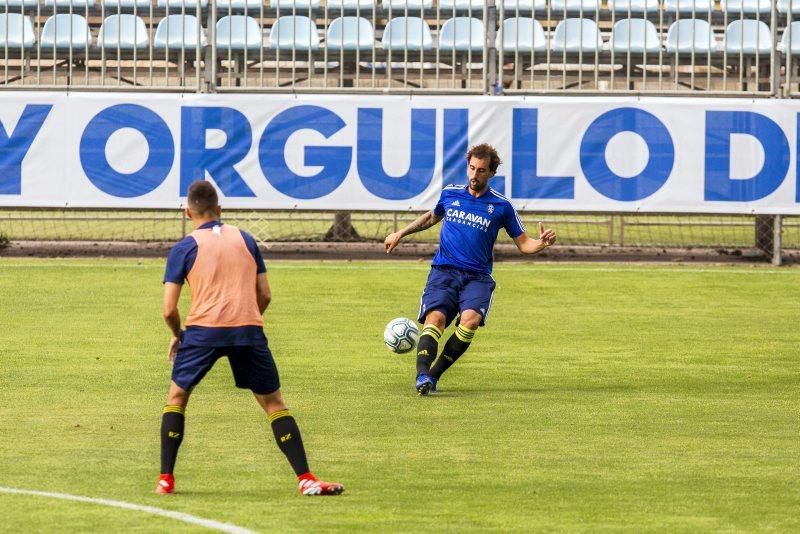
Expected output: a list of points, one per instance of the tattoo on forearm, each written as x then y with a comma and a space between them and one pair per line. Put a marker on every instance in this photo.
423, 222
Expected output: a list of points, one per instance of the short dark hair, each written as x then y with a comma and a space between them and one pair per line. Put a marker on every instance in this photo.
485, 151
202, 198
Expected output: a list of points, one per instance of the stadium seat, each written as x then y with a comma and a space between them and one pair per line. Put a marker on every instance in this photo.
399, 5
522, 34
229, 5
179, 32
18, 3
297, 5
783, 46
589, 7
123, 32
745, 7
634, 7
461, 5
140, 5
294, 32
636, 36
350, 34
238, 32
748, 37
783, 6
76, 4
176, 5
691, 35
347, 5
699, 7
16, 31
523, 6
577, 35
407, 33
462, 34
66, 31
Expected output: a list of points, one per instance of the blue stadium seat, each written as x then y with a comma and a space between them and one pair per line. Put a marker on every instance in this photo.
229, 5
297, 5
66, 31
524, 6
16, 31
140, 5
745, 7
398, 6
294, 32
522, 34
691, 35
748, 37
636, 36
634, 7
175, 5
577, 35
462, 34
350, 5
350, 34
700, 7
574, 6
407, 33
462, 5
238, 32
177, 32
76, 4
783, 46
123, 32
783, 6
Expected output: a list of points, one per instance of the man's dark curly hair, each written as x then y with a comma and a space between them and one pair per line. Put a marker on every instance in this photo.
485, 151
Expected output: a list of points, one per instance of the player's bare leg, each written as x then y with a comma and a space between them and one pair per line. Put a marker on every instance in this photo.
172, 425
458, 343
287, 436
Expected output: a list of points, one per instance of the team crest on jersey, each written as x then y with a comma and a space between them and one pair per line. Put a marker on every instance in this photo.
491, 208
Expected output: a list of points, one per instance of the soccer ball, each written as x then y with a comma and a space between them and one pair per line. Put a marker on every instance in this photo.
401, 335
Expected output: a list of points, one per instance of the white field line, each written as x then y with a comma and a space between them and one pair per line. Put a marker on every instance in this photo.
179, 516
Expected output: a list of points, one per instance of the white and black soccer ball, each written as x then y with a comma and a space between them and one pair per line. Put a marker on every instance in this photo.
401, 335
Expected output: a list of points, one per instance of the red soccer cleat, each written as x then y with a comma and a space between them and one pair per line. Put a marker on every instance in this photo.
309, 485
166, 485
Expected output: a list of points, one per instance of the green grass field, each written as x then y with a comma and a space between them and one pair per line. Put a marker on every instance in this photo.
599, 397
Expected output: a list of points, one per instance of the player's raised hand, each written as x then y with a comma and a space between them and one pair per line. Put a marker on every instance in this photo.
546, 236
391, 241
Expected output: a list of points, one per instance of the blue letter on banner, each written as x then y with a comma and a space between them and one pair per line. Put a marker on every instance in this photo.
14, 147
196, 159
593, 154
525, 181
370, 155
93, 150
334, 160
719, 127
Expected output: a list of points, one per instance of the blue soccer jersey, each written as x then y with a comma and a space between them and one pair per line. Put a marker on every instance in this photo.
470, 226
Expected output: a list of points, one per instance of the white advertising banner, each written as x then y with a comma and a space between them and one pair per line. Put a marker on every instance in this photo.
355, 152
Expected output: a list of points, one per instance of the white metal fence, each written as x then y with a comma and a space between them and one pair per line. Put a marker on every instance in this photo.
530, 46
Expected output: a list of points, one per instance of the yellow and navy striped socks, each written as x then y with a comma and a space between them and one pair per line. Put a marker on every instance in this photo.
453, 349
172, 423
427, 348
287, 436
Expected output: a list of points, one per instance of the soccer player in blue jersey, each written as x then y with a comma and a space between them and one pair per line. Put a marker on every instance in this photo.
230, 292
460, 282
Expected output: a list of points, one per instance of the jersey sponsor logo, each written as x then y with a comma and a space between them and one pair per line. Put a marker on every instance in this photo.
470, 219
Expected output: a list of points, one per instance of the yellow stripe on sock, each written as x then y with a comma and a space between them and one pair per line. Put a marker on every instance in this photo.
274, 416
432, 331
173, 409
464, 334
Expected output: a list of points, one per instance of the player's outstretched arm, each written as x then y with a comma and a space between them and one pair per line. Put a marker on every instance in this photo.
423, 222
527, 245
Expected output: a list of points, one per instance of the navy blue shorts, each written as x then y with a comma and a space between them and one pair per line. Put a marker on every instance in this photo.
451, 291
252, 365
